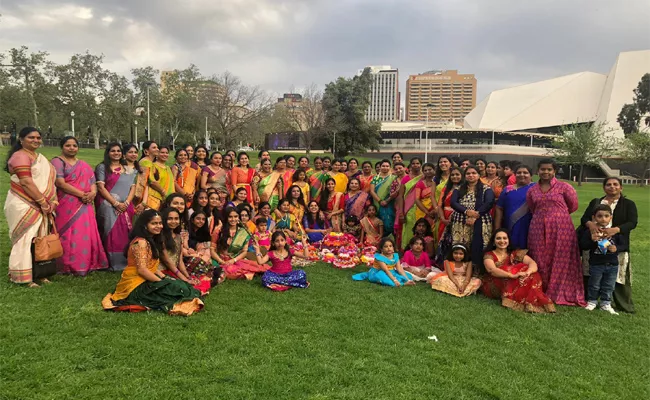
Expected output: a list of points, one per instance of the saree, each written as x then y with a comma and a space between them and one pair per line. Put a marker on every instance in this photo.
23, 214
316, 182
114, 229
377, 275
351, 175
155, 199
297, 210
269, 190
304, 188
336, 203
442, 283
243, 178
189, 175
243, 268
371, 231
341, 182
134, 293
365, 182
383, 190
217, 180
76, 222
516, 214
410, 209
520, 294
356, 204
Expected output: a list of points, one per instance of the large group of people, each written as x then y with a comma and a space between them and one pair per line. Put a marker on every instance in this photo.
177, 229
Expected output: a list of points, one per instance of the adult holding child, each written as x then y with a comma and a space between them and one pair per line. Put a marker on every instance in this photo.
31, 198
116, 188
75, 218
552, 239
624, 220
512, 276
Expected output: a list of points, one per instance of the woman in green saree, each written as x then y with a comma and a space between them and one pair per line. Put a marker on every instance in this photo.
231, 248
268, 184
380, 191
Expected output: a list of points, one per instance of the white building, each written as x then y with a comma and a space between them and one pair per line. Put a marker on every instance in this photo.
384, 95
546, 105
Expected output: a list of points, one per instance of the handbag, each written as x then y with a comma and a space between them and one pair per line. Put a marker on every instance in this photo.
47, 246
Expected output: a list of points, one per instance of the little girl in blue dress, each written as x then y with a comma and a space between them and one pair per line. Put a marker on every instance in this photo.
386, 269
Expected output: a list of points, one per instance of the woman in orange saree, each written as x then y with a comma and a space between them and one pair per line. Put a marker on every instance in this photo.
187, 175
513, 277
242, 176
365, 178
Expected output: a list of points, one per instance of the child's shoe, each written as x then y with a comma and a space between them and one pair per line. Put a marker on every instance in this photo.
591, 306
609, 309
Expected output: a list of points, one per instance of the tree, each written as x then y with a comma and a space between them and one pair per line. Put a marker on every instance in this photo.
234, 109
583, 144
81, 86
345, 102
177, 111
631, 114
143, 78
636, 148
28, 68
307, 115
115, 108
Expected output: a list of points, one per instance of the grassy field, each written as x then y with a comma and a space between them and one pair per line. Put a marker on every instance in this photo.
338, 339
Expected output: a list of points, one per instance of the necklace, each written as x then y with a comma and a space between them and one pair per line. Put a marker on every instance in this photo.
279, 257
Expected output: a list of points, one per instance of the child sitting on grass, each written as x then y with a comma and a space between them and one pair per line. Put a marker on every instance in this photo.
261, 235
386, 269
457, 278
282, 276
415, 260
352, 227
603, 261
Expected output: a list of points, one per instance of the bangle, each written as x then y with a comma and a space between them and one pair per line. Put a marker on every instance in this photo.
258, 254
41, 201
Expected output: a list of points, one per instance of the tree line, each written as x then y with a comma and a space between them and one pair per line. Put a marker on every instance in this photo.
108, 106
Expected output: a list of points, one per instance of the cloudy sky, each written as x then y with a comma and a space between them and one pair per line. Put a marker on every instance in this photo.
278, 44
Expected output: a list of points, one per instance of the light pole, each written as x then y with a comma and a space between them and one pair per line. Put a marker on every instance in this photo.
334, 146
148, 116
72, 116
426, 139
207, 137
135, 139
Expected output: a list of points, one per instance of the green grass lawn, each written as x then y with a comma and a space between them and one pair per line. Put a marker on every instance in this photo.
338, 339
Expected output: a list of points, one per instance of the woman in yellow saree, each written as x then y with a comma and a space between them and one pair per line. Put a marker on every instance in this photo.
187, 175
268, 185
161, 179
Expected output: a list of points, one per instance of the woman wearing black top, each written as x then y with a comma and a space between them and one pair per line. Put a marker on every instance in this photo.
623, 221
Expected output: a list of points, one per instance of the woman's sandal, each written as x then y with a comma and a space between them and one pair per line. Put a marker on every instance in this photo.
33, 285
45, 281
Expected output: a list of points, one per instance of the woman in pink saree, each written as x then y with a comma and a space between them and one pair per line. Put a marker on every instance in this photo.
75, 216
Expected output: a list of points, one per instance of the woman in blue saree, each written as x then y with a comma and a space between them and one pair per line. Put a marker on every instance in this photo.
512, 210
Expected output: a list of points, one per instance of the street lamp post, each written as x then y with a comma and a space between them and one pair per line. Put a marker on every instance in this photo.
72, 116
148, 116
426, 139
207, 136
135, 138
334, 146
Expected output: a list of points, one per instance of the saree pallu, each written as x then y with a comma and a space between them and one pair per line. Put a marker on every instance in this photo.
366, 182
243, 268
444, 201
371, 232
114, 229
341, 182
217, 180
356, 205
165, 179
243, 178
383, 190
353, 175
440, 186
189, 176
287, 179
142, 182
336, 203
269, 190
520, 294
134, 293
76, 222
442, 283
516, 214
304, 188
410, 210
297, 210
316, 182
23, 214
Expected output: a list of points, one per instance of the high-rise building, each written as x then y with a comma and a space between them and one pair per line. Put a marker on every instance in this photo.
384, 94
448, 96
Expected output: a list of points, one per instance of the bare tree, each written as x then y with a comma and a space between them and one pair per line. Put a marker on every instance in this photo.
308, 115
233, 108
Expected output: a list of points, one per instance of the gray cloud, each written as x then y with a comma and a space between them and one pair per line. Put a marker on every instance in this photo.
282, 43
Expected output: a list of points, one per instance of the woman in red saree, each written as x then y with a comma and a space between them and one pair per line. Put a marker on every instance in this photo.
242, 177
444, 201
75, 216
333, 205
513, 277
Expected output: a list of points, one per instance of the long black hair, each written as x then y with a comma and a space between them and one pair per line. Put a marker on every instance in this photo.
107, 157
450, 185
318, 221
325, 194
492, 246
222, 242
145, 146
439, 171
199, 235
18, 146
464, 187
140, 231
167, 232
125, 149
183, 215
300, 200
276, 235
